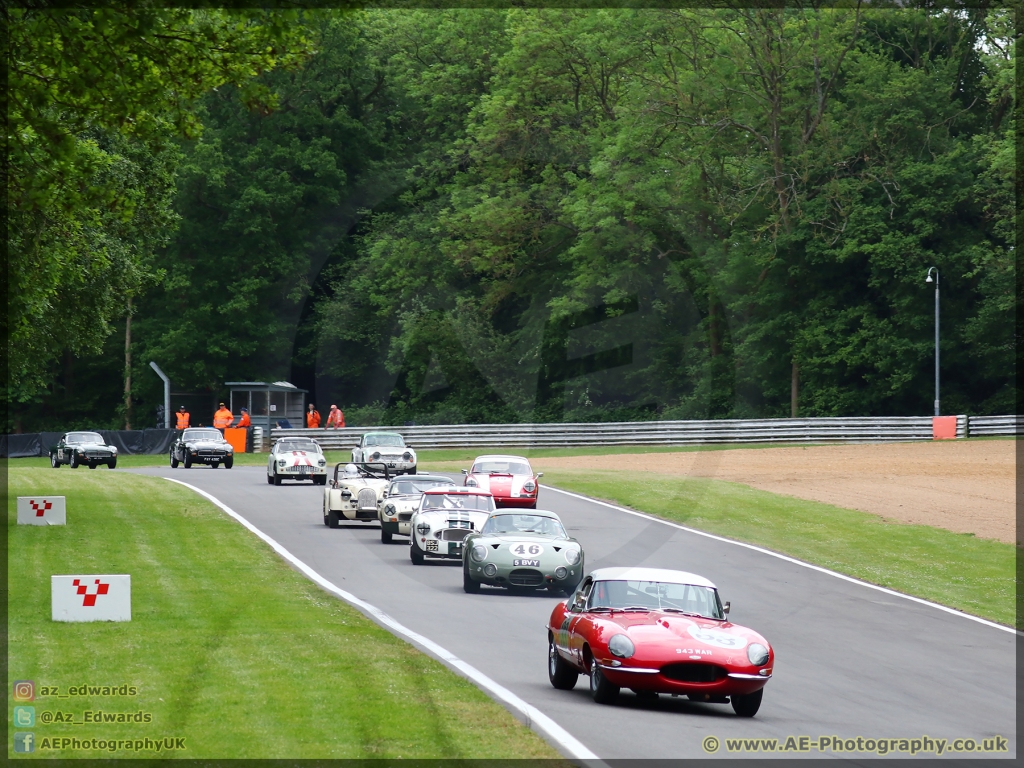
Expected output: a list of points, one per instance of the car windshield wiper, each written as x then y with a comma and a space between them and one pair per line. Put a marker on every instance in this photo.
685, 613
636, 608
599, 609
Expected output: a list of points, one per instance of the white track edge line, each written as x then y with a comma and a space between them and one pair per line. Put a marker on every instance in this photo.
533, 715
788, 559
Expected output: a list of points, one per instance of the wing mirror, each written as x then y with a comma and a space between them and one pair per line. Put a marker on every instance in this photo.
725, 608
540, 475
465, 471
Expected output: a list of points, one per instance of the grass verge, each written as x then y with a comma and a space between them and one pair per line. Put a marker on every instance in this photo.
974, 575
228, 646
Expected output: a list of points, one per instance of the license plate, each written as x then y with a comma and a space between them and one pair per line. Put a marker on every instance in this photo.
527, 563
391, 465
454, 547
432, 545
304, 470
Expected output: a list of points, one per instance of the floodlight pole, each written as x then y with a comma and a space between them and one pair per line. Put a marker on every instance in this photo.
167, 393
928, 279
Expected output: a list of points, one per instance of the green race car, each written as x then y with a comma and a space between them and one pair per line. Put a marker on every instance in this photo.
522, 548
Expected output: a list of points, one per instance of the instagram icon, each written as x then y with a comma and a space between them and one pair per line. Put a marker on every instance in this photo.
24, 690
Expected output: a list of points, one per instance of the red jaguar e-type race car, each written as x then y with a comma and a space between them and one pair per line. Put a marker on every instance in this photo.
656, 631
510, 479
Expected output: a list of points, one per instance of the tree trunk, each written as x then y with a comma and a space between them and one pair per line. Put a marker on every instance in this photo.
794, 391
128, 368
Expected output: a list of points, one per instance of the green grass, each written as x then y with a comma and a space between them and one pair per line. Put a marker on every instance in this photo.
228, 646
974, 575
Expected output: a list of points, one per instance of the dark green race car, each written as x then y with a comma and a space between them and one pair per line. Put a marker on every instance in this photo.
522, 548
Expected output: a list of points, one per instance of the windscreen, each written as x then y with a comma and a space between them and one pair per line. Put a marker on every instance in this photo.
467, 502
74, 438
520, 523
408, 486
384, 441
656, 595
501, 468
297, 445
201, 434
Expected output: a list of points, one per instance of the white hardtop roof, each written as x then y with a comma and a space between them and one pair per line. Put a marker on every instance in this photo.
650, 574
456, 489
500, 457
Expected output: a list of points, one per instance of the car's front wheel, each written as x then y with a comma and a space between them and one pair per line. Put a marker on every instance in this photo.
332, 519
277, 478
53, 461
411, 471
74, 461
229, 462
602, 691
561, 673
92, 465
214, 464
469, 586
386, 537
112, 463
188, 460
415, 554
174, 461
747, 704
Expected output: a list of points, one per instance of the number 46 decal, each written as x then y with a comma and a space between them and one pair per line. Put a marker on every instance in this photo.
527, 550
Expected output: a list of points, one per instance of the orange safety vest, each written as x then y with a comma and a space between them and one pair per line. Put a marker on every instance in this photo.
182, 420
312, 419
336, 418
222, 418
243, 421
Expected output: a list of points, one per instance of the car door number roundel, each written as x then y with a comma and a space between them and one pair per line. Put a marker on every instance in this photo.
527, 550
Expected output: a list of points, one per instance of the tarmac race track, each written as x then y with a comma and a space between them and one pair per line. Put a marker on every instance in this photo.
850, 661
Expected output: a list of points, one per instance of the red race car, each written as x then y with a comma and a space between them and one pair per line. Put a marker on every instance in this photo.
656, 631
509, 479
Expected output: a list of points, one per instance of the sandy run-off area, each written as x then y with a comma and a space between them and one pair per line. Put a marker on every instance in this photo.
965, 486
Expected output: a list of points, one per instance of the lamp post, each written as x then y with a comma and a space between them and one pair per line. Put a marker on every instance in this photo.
928, 279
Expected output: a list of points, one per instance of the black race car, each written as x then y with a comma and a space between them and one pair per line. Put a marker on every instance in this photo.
202, 445
77, 448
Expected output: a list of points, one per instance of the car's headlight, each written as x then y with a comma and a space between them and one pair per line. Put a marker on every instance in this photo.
529, 486
621, 646
322, 463
490, 569
389, 509
113, 449
407, 456
280, 462
572, 556
471, 483
375, 456
757, 654
231, 448
479, 552
561, 572
423, 529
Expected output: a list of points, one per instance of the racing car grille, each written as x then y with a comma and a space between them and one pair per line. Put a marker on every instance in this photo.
367, 498
693, 673
454, 534
97, 454
526, 577
404, 517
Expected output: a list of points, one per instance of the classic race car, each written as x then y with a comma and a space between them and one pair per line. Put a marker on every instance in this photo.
202, 445
77, 448
354, 492
444, 518
656, 631
401, 500
510, 479
296, 458
388, 447
522, 549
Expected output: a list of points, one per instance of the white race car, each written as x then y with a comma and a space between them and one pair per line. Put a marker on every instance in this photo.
355, 492
296, 458
401, 500
388, 447
444, 518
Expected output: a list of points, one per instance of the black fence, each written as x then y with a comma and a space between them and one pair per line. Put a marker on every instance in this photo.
127, 442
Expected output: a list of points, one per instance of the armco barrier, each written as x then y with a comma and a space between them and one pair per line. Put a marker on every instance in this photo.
826, 430
983, 426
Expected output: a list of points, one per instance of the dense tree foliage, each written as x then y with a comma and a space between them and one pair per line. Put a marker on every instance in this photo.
476, 215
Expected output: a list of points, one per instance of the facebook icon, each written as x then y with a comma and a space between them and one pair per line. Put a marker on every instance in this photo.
24, 742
